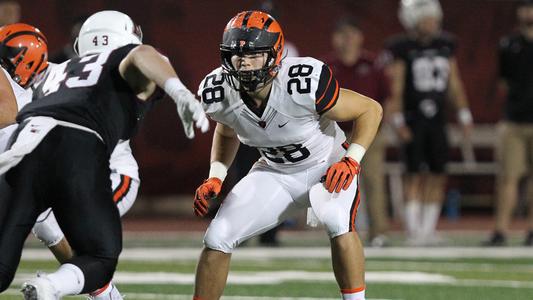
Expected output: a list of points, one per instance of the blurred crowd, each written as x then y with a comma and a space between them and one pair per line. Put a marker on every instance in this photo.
413, 78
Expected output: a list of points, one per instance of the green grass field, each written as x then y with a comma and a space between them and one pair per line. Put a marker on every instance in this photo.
305, 273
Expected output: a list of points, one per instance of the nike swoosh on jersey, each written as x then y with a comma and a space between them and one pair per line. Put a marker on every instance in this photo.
281, 125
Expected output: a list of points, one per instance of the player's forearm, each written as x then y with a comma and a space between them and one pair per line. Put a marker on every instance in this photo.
152, 65
396, 74
458, 95
223, 151
366, 125
8, 113
457, 91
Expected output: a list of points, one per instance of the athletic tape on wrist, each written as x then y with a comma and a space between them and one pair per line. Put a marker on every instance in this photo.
398, 120
218, 170
174, 88
356, 152
465, 116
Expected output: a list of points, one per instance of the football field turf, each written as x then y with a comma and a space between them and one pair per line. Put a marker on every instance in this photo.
304, 273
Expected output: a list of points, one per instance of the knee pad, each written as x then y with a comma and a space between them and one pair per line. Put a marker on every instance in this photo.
47, 230
335, 225
216, 238
336, 211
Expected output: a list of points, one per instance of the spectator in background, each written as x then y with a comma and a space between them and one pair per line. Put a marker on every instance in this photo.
424, 73
9, 12
67, 51
516, 130
356, 69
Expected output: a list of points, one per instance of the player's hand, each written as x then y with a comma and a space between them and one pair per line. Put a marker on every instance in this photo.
191, 113
341, 174
404, 133
207, 191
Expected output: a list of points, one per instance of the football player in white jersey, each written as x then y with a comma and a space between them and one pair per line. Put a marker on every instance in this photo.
287, 109
23, 57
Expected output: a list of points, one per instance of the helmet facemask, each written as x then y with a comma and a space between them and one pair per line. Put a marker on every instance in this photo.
249, 80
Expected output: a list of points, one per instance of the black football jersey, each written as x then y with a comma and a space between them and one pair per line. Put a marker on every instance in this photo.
89, 91
427, 74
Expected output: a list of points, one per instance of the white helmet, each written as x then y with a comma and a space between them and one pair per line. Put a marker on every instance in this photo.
412, 11
106, 30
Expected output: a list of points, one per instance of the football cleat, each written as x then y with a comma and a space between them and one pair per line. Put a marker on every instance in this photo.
39, 288
497, 239
114, 294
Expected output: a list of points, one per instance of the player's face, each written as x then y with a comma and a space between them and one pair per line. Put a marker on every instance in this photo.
249, 62
428, 26
347, 39
525, 17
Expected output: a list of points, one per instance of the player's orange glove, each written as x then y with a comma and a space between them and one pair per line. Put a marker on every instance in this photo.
208, 190
340, 174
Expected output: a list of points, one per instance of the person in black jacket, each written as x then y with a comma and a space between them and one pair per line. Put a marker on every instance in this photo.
516, 129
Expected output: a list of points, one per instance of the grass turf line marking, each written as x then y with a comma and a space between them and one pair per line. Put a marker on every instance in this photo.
164, 254
271, 278
149, 296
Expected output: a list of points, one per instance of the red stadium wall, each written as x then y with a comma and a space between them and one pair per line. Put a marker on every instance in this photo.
189, 33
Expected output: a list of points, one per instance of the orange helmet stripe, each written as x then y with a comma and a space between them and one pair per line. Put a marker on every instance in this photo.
24, 52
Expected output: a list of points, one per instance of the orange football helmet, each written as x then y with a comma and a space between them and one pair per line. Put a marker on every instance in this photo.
23, 52
247, 33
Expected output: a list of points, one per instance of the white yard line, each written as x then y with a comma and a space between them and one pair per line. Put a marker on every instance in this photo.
165, 254
149, 296
411, 265
273, 278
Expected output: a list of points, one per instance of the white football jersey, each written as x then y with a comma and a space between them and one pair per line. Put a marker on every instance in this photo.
290, 134
122, 160
23, 97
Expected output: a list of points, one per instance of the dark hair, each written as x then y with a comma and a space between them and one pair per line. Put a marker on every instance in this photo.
350, 21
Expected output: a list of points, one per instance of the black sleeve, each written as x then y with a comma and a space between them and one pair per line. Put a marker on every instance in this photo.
450, 41
327, 91
504, 66
119, 54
